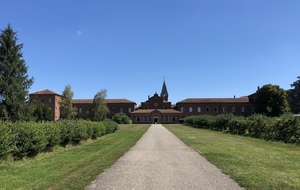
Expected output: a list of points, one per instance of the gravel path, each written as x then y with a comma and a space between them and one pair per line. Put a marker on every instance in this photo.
160, 160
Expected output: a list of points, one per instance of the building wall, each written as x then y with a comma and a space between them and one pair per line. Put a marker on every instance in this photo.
239, 109
52, 101
84, 109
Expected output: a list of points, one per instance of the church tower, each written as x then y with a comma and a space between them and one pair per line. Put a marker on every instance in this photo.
164, 92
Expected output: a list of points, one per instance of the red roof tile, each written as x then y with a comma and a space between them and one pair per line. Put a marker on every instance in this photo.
108, 101
244, 99
45, 92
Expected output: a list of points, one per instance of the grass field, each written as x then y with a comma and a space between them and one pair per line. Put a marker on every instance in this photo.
73, 167
253, 163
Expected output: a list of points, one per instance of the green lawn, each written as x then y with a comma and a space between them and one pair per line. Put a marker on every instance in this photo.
253, 163
73, 167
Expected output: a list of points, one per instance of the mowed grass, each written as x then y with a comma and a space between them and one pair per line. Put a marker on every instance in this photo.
253, 163
73, 167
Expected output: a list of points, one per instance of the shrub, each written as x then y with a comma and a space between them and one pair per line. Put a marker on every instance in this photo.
52, 134
203, 121
121, 118
30, 139
7, 140
110, 126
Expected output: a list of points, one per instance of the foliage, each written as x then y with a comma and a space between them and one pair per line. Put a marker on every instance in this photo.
67, 111
41, 111
99, 107
271, 100
6, 140
73, 167
121, 118
21, 139
285, 128
253, 163
294, 96
14, 80
30, 139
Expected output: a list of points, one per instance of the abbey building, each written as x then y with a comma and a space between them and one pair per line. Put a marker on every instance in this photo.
156, 109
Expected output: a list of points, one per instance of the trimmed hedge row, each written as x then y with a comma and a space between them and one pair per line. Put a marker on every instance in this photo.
28, 138
285, 128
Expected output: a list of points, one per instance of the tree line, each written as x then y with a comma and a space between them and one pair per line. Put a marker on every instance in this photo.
15, 104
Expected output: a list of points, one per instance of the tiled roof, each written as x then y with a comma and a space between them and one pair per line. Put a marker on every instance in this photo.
108, 101
244, 99
160, 110
47, 92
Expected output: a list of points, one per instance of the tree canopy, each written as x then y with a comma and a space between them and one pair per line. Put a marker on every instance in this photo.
294, 96
271, 100
67, 111
99, 108
14, 80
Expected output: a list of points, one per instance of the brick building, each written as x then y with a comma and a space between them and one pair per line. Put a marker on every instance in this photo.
157, 109
51, 99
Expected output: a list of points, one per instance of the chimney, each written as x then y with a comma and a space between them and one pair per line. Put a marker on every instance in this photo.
257, 87
234, 96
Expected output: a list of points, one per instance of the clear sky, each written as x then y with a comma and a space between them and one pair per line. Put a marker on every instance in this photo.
203, 48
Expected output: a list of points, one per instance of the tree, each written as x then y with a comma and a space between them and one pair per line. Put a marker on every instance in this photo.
14, 80
99, 108
42, 112
271, 100
67, 111
294, 96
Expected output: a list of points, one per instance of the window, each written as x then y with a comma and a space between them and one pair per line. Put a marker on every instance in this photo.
190, 109
207, 109
216, 109
42, 100
224, 109
129, 110
121, 110
243, 109
199, 109
113, 110
233, 109
49, 100
80, 110
182, 109
88, 110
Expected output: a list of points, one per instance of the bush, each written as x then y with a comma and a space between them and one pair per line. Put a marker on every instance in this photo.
121, 118
203, 121
110, 126
285, 128
30, 139
7, 140
52, 133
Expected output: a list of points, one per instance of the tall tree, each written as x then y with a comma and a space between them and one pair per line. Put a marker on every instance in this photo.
271, 100
294, 96
67, 111
14, 80
99, 109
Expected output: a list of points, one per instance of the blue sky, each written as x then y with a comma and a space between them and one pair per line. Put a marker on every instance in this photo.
203, 48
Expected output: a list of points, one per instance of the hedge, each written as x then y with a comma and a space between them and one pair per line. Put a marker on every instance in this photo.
29, 138
285, 128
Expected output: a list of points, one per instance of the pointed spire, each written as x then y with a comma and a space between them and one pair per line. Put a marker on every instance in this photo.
164, 92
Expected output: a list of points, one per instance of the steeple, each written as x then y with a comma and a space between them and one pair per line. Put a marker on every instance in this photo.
164, 92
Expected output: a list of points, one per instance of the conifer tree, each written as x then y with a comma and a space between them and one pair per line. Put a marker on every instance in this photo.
14, 80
